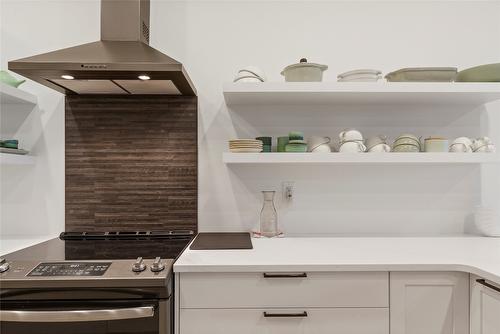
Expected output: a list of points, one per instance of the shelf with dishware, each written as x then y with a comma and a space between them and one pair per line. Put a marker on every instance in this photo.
11, 95
16, 159
361, 93
427, 158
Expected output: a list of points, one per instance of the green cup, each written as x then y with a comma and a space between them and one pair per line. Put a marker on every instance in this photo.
282, 142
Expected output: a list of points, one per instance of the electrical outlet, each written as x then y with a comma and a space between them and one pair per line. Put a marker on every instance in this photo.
287, 190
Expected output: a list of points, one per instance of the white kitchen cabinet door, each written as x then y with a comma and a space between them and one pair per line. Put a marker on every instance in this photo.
306, 321
485, 308
429, 303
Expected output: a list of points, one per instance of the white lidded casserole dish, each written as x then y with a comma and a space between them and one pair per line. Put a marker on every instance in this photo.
304, 72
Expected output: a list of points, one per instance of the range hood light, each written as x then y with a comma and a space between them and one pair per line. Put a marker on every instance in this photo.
144, 77
67, 77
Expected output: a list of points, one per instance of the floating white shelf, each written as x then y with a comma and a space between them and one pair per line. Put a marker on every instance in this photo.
12, 95
360, 93
16, 159
360, 158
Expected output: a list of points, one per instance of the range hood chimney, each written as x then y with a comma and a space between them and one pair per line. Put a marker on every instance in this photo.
121, 63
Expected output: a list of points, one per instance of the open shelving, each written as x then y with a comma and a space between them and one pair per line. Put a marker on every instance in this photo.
11, 95
361, 93
359, 158
16, 159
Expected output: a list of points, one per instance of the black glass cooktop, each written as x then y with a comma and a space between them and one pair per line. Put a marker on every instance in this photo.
107, 246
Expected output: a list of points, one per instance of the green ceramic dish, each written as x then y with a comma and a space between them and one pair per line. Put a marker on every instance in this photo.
296, 148
483, 73
8, 79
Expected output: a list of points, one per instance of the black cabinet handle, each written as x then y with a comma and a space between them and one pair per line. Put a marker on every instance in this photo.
297, 275
491, 286
285, 315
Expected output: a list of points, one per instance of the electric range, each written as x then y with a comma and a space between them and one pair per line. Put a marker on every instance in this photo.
88, 282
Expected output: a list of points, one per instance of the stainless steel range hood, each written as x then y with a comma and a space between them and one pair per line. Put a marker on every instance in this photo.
122, 62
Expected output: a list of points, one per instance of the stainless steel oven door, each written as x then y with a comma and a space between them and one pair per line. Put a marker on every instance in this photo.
85, 317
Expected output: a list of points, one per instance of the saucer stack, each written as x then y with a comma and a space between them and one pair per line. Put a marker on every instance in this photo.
245, 146
364, 75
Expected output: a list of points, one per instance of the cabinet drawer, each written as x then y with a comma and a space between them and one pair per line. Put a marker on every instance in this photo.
254, 290
317, 321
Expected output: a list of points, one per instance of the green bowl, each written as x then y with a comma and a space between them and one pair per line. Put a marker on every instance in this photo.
296, 148
8, 79
483, 73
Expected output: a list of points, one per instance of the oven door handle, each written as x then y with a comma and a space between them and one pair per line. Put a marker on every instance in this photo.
77, 315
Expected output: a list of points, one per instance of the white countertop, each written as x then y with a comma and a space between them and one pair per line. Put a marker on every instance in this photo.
477, 255
12, 243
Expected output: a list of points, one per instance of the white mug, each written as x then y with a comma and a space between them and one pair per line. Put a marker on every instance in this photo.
350, 135
460, 148
352, 147
316, 141
380, 148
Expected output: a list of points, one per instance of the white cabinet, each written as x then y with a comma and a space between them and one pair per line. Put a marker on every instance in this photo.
485, 307
429, 303
285, 321
279, 303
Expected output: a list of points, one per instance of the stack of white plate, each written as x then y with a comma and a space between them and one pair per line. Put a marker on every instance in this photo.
245, 146
364, 75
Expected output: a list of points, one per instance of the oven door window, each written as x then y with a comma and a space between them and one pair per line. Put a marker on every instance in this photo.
83, 317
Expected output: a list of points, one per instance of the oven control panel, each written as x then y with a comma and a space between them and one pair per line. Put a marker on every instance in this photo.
70, 269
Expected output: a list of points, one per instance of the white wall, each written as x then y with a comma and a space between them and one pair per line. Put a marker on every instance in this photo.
213, 39
32, 197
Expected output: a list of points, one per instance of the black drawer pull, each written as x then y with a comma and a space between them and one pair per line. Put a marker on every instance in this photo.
285, 315
298, 275
491, 286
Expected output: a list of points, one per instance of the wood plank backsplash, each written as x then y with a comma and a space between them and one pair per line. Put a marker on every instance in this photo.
131, 163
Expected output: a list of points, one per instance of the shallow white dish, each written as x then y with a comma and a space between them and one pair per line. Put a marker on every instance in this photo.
245, 150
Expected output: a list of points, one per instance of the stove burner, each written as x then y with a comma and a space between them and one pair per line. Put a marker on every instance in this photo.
124, 235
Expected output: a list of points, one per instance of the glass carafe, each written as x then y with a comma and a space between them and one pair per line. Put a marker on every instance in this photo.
268, 216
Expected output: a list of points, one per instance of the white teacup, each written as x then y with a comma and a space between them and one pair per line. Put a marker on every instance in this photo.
376, 140
316, 141
488, 148
483, 144
380, 148
352, 147
461, 144
323, 148
350, 135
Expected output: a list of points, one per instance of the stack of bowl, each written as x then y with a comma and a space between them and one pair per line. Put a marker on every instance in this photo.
296, 142
245, 146
407, 143
250, 74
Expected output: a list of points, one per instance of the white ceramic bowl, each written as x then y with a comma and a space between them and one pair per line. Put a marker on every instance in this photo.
256, 71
